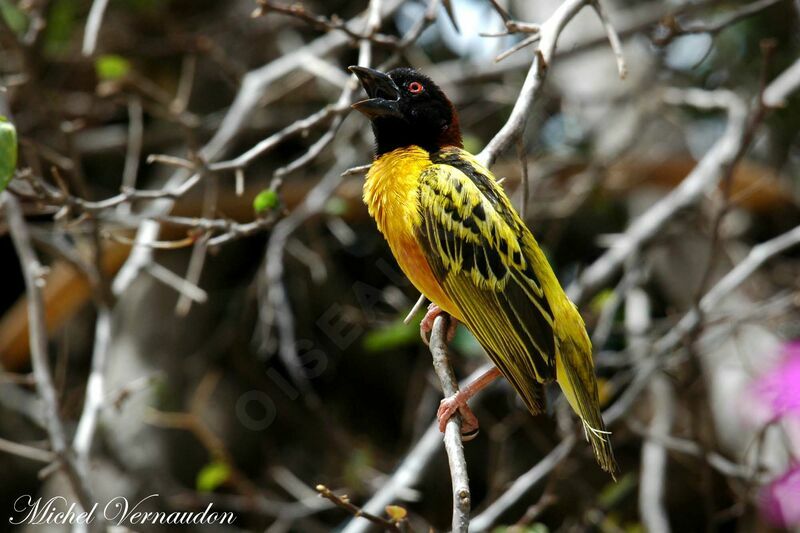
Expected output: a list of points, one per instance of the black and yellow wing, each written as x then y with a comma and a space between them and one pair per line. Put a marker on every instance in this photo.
483, 257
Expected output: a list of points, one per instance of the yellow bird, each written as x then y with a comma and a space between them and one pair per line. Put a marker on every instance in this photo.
459, 240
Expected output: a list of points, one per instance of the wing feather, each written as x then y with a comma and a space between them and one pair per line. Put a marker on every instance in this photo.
479, 251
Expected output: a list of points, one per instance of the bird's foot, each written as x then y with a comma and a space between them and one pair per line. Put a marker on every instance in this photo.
426, 326
448, 408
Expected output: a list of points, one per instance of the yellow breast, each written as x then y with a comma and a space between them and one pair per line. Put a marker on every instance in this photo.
390, 192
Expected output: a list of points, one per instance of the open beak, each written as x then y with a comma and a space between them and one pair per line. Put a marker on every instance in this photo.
383, 94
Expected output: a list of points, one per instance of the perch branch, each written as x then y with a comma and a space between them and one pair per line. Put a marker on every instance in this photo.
452, 435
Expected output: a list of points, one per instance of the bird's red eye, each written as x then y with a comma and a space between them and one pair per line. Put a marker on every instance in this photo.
415, 87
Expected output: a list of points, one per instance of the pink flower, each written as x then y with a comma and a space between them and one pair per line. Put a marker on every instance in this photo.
780, 500
779, 389
777, 398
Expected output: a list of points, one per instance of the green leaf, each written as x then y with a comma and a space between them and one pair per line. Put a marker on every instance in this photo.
212, 476
8, 151
16, 19
265, 200
111, 67
394, 335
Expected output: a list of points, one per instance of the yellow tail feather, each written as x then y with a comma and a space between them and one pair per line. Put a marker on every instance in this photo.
575, 376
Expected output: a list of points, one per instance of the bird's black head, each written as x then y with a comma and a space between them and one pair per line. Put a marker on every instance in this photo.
406, 108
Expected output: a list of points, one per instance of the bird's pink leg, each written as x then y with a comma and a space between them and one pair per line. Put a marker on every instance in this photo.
426, 325
458, 402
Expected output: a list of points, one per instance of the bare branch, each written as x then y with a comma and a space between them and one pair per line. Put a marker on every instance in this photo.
344, 503
416, 309
334, 23
523, 484
28, 452
174, 281
200, 249
95, 396
759, 254
717, 461
93, 23
654, 459
726, 20
613, 39
786, 83
452, 435
33, 273
548, 37
412, 467
654, 456
248, 97
135, 134
691, 190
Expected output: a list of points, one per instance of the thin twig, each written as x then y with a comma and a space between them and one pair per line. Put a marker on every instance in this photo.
418, 306
548, 36
654, 459
93, 23
179, 284
28, 452
134, 150
344, 503
724, 21
522, 484
613, 39
247, 98
200, 249
333, 23
95, 396
721, 464
786, 83
653, 478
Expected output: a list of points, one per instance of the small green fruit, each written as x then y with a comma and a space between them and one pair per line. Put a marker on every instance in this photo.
265, 201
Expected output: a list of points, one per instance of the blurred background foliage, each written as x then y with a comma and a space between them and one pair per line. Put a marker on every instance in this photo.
599, 150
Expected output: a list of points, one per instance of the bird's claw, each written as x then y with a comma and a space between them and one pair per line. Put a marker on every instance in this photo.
426, 325
448, 408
